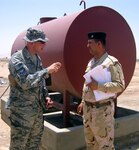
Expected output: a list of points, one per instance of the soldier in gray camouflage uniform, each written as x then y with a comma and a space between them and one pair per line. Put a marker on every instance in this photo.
98, 116
27, 79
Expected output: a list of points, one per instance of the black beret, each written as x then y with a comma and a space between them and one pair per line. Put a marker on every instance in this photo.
96, 35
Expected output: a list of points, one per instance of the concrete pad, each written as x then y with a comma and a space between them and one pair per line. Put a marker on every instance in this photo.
72, 138
55, 138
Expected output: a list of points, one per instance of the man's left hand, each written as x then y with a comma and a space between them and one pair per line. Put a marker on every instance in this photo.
93, 85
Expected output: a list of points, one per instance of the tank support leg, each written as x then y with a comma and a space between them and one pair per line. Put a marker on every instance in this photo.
66, 110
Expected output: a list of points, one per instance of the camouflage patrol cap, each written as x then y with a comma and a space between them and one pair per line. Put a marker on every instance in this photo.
34, 35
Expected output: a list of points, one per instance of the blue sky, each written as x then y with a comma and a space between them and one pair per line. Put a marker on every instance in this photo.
18, 15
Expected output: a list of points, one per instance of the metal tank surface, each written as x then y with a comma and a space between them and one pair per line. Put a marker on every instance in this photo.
67, 44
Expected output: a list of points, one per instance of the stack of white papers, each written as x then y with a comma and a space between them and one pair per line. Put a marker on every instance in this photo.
101, 75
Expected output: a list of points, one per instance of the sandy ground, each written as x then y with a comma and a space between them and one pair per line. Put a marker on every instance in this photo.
4, 135
128, 99
4, 128
4, 68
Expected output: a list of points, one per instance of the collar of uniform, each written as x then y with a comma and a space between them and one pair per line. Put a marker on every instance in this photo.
26, 53
100, 60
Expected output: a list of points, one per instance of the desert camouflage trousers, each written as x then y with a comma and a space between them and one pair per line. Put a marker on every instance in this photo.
26, 128
99, 126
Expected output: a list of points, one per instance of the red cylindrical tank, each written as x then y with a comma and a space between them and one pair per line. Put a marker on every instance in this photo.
67, 44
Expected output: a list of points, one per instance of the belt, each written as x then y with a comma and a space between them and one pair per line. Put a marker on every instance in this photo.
97, 104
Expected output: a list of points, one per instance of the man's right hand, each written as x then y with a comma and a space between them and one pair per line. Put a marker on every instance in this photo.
80, 108
54, 67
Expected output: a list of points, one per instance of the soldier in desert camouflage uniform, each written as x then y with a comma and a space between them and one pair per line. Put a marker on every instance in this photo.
27, 79
98, 116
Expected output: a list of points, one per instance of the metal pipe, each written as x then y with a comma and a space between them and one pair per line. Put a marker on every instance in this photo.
82, 1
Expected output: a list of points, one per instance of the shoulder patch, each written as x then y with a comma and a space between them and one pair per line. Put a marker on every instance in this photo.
20, 69
23, 72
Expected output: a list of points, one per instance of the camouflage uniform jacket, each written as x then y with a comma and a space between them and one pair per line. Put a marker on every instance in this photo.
117, 83
29, 78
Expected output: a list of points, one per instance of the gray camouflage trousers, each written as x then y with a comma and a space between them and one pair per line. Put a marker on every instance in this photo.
26, 128
99, 126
